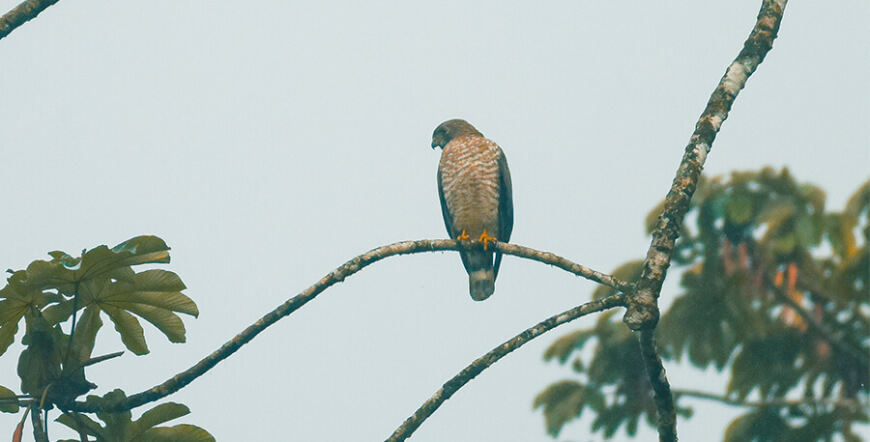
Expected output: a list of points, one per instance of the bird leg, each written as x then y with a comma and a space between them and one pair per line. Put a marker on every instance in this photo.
462, 237
486, 239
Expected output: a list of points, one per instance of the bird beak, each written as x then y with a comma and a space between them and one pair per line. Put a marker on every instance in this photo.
434, 144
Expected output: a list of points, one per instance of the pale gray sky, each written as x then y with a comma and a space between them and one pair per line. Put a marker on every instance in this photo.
269, 142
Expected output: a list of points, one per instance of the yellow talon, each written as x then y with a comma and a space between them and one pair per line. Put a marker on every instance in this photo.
462, 237
486, 239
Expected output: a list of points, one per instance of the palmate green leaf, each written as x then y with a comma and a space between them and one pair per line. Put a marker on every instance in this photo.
48, 367
119, 427
8, 407
852, 276
814, 196
78, 421
178, 433
90, 292
611, 420
727, 313
101, 279
739, 208
132, 334
808, 230
156, 288
859, 201
154, 295
839, 230
43, 275
160, 414
113, 263
564, 401
764, 425
563, 347
167, 322
767, 364
17, 299
86, 333
9, 325
66, 273
57, 313
40, 363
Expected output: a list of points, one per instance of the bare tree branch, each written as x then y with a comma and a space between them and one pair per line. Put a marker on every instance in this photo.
338, 275
470, 372
643, 311
20, 14
665, 411
564, 264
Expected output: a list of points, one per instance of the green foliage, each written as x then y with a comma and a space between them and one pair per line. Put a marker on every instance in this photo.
8, 395
73, 292
773, 289
613, 385
101, 280
120, 427
565, 400
771, 424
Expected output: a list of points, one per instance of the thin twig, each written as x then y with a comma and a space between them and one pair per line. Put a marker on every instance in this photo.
643, 311
470, 372
22, 13
102, 358
338, 275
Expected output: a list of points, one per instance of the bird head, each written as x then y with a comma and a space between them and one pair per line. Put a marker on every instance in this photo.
450, 129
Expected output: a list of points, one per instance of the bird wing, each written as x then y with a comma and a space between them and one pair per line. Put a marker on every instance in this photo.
505, 206
445, 211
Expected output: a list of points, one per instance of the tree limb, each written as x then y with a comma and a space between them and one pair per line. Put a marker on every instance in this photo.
665, 411
470, 372
22, 13
338, 275
643, 311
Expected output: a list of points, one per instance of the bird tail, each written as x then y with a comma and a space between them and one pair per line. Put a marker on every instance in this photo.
481, 283
481, 274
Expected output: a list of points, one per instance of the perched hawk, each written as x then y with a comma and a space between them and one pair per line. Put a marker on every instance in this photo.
474, 184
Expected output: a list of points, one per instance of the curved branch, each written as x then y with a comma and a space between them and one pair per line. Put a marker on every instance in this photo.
22, 13
338, 275
643, 311
470, 372
568, 266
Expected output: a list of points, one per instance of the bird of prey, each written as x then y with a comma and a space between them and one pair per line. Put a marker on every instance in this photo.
474, 184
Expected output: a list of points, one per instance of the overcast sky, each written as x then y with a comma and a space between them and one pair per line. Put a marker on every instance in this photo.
269, 142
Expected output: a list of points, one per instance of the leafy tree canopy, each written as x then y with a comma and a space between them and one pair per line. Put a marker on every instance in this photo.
774, 290
74, 291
